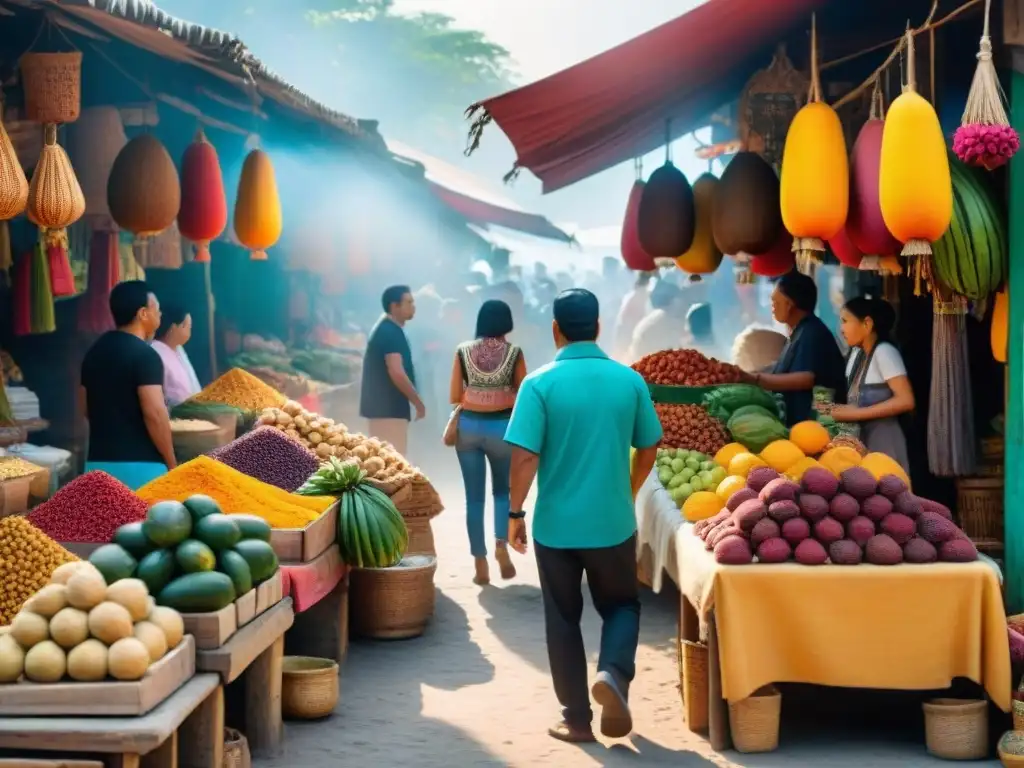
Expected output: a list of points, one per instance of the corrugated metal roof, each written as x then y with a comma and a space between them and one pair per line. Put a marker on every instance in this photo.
220, 49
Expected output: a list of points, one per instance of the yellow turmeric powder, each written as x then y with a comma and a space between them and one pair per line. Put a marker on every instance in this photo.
240, 389
235, 493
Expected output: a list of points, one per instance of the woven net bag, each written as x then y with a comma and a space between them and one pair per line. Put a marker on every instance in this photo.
13, 184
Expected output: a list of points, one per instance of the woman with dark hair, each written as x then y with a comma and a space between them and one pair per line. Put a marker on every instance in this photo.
811, 357
877, 384
180, 381
486, 375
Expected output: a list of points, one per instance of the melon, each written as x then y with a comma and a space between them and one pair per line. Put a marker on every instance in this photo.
69, 627
110, 622
809, 436
86, 590
128, 659
45, 662
728, 452
29, 629
153, 637
170, 621
781, 455
133, 595
12, 659
47, 601
838, 460
87, 663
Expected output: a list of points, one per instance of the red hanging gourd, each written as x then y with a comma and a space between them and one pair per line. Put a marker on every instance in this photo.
204, 206
776, 262
865, 226
844, 250
633, 254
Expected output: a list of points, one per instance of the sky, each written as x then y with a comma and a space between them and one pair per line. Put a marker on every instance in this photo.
546, 36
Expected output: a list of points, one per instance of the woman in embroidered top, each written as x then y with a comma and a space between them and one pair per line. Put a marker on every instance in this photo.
486, 375
180, 381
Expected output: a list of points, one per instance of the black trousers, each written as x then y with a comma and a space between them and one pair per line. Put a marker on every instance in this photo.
611, 576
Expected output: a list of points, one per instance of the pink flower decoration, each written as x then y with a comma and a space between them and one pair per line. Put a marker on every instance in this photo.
986, 146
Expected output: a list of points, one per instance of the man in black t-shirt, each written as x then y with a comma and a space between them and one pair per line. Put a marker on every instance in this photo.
122, 392
389, 381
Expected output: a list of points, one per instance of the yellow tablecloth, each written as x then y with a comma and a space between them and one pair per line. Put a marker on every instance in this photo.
906, 627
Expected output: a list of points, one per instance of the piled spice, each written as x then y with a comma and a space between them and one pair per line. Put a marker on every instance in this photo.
241, 390
88, 509
235, 493
13, 467
192, 425
27, 560
270, 457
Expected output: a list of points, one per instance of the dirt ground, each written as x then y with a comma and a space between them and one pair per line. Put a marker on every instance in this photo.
474, 690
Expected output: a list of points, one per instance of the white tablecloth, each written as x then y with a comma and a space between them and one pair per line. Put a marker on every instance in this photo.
658, 519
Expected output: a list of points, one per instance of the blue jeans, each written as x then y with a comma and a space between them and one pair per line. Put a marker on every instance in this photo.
482, 441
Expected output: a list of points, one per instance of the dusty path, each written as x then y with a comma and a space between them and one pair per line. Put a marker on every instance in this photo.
474, 690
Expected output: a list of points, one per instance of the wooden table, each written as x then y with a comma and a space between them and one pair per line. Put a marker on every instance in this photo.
255, 651
187, 730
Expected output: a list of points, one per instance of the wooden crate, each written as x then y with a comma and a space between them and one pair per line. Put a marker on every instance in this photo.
300, 545
14, 496
212, 630
245, 608
269, 593
112, 698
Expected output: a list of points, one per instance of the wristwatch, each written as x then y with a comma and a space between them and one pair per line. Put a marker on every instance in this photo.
516, 515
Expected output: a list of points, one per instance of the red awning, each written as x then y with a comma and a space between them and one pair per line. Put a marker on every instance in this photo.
614, 106
474, 199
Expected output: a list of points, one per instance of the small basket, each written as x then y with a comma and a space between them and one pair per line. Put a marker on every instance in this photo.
236, 750
693, 682
421, 536
956, 729
1011, 749
979, 502
423, 500
309, 687
1018, 715
393, 603
755, 721
1010, 760
53, 86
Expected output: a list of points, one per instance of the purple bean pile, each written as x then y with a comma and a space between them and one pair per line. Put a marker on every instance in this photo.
269, 456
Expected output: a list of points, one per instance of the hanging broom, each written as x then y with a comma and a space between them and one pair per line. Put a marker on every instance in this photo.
951, 440
985, 137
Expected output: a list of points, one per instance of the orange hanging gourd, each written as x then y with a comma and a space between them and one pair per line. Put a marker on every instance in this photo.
257, 206
915, 190
13, 183
703, 256
815, 183
1000, 322
143, 192
204, 207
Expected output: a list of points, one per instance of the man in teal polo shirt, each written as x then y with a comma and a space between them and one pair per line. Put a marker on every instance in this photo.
573, 424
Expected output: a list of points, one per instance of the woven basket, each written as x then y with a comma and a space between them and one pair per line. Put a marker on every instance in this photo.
393, 603
693, 684
755, 721
1011, 748
309, 687
1018, 715
956, 729
53, 86
236, 750
421, 536
422, 501
979, 502
1011, 761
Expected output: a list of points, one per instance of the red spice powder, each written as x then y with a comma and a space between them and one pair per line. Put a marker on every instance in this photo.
88, 509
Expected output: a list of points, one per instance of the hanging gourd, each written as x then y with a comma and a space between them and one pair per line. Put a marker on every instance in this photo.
703, 256
777, 261
985, 137
93, 145
815, 183
257, 206
746, 215
914, 187
844, 250
143, 192
633, 253
13, 183
1000, 323
204, 207
865, 225
665, 218
55, 202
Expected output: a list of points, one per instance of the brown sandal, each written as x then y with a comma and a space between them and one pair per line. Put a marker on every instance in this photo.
508, 570
483, 571
571, 734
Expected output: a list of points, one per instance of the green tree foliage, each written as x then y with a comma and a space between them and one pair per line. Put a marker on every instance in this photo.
415, 73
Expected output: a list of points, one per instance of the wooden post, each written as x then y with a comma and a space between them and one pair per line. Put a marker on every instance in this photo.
263, 725
1014, 431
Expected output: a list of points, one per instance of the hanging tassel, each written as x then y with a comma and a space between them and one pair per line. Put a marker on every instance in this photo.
42, 312
94, 308
23, 296
985, 137
62, 279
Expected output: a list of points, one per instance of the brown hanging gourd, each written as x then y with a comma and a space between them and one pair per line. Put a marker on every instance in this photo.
55, 202
143, 193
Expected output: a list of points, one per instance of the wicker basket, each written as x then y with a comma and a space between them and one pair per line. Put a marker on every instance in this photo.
980, 506
1018, 715
693, 683
53, 86
421, 536
423, 500
956, 729
755, 721
393, 603
1011, 748
236, 750
309, 687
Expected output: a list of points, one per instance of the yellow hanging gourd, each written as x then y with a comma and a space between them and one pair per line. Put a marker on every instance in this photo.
257, 206
815, 179
1000, 323
915, 190
703, 256
13, 184
55, 199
